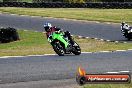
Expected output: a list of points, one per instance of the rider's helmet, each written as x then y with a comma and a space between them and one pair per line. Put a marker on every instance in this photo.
123, 23
47, 26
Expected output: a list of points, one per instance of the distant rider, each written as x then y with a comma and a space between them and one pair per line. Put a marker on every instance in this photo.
125, 26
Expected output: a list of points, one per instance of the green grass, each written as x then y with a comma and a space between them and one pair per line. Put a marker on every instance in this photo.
102, 15
32, 43
91, 45
108, 86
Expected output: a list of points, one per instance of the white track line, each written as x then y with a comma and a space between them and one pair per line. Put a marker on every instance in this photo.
27, 56
119, 72
26, 30
125, 71
97, 22
87, 52
74, 20
129, 49
62, 18
87, 37
120, 50
108, 40
102, 39
108, 23
56, 54
112, 72
23, 15
78, 36
36, 31
35, 16
96, 38
11, 56
105, 51
116, 41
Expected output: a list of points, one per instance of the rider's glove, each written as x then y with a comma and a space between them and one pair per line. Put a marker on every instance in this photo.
58, 32
50, 39
130, 31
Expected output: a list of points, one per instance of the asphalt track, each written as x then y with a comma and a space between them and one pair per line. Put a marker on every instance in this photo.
54, 71
54, 67
87, 29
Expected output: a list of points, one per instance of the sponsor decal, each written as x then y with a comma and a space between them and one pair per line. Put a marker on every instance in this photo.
83, 78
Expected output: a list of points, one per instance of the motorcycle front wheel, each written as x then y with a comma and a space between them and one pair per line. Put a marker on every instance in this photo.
58, 48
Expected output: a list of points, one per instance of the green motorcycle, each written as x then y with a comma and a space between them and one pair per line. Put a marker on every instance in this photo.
63, 44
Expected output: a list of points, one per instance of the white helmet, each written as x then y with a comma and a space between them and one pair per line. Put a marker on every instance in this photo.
47, 26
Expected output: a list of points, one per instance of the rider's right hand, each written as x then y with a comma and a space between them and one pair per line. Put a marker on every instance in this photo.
50, 39
58, 32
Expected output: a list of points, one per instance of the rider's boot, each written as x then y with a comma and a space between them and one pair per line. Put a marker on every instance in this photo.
67, 34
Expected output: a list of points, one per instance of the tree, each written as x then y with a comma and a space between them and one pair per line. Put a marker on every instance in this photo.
75, 1
80, 1
9, 0
43, 0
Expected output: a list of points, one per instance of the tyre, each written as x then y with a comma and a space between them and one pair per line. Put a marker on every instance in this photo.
128, 39
81, 80
13, 33
76, 49
15, 36
8, 35
58, 49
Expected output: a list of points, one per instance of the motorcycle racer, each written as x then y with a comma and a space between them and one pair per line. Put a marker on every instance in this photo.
51, 29
125, 26
126, 30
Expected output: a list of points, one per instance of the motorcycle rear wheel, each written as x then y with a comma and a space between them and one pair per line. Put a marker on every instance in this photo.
76, 49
